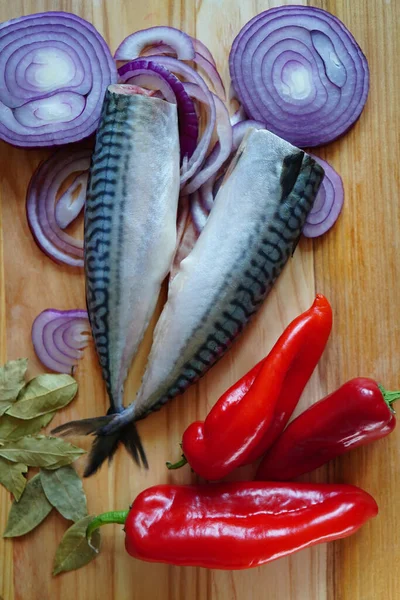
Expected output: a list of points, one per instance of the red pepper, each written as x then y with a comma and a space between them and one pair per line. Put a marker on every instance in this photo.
248, 418
237, 525
356, 414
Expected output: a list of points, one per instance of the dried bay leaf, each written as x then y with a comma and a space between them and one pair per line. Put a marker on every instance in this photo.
64, 490
30, 511
44, 394
12, 428
41, 451
4, 405
11, 476
74, 551
12, 380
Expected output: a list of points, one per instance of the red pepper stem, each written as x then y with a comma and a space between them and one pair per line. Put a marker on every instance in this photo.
181, 463
389, 396
116, 516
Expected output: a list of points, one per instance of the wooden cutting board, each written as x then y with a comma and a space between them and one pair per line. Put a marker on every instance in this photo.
356, 266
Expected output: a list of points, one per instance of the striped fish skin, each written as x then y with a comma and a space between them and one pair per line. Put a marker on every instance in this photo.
252, 230
130, 225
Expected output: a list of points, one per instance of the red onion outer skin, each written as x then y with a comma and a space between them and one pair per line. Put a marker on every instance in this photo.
87, 68
328, 202
299, 70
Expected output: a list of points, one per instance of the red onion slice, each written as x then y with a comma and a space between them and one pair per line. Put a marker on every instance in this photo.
240, 129
72, 201
188, 121
328, 202
196, 160
156, 49
299, 70
206, 193
59, 336
132, 46
168, 40
41, 201
202, 49
222, 149
238, 116
212, 74
198, 212
201, 61
54, 70
151, 81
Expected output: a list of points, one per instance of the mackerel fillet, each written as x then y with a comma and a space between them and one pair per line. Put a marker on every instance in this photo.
129, 239
253, 228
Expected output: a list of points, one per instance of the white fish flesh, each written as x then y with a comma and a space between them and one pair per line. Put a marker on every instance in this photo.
129, 239
253, 228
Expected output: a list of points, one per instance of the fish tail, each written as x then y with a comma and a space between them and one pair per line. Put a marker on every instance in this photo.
105, 446
109, 432
131, 440
82, 426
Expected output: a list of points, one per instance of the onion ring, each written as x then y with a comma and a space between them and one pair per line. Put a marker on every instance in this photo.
223, 147
188, 121
54, 70
328, 202
59, 336
131, 47
299, 70
41, 201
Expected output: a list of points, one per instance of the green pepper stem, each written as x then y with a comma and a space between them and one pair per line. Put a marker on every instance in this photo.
181, 463
390, 396
116, 516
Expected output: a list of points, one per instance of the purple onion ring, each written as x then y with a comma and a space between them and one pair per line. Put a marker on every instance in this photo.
54, 70
299, 70
59, 336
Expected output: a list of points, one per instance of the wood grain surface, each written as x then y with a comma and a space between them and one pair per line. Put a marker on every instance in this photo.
356, 266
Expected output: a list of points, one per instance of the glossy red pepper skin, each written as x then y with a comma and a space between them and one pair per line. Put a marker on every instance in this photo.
252, 413
354, 415
240, 525
314, 327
